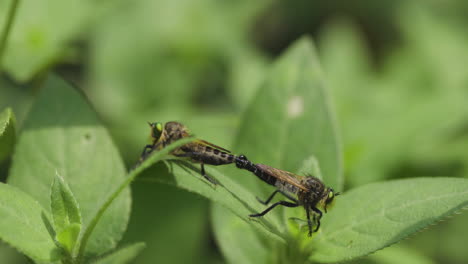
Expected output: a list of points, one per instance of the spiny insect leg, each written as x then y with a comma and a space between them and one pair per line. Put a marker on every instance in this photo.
143, 156
273, 194
196, 155
309, 223
203, 173
318, 218
144, 153
283, 203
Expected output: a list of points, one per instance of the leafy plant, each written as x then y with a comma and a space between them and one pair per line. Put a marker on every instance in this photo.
88, 205
67, 199
365, 219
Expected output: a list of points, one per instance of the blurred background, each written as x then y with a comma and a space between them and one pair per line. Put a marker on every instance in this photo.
396, 70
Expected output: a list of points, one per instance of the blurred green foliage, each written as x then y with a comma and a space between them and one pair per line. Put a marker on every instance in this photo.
395, 70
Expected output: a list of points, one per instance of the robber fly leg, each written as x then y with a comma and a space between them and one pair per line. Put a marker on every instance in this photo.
145, 151
143, 156
273, 194
318, 218
309, 223
283, 203
269, 198
195, 156
203, 173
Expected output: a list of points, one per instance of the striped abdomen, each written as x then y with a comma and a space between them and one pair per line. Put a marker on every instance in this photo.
265, 176
206, 154
282, 180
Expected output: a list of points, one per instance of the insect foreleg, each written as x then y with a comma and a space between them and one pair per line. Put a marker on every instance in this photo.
144, 152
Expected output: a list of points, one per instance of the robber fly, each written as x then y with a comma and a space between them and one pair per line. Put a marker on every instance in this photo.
199, 151
310, 191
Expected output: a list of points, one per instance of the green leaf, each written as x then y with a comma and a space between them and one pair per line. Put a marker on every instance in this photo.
7, 133
238, 240
290, 118
289, 125
123, 255
24, 225
378, 215
65, 213
148, 225
118, 190
312, 167
62, 134
11, 255
227, 193
104, 206
68, 237
404, 255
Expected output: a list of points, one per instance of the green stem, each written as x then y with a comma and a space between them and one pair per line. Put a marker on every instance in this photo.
6, 30
101, 211
132, 175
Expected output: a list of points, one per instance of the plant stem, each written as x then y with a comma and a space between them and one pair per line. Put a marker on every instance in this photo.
126, 182
96, 219
6, 30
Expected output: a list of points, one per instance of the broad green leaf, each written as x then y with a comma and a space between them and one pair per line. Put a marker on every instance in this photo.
62, 134
65, 213
238, 240
401, 255
312, 167
16, 97
290, 118
106, 204
123, 255
378, 215
11, 255
288, 124
227, 193
160, 213
24, 225
7, 133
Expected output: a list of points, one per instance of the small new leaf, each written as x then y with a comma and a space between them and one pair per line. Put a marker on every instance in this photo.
68, 236
65, 213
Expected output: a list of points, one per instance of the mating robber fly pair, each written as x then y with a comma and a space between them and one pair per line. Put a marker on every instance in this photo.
306, 191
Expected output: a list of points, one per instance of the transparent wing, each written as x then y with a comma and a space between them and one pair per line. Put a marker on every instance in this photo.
283, 176
203, 142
